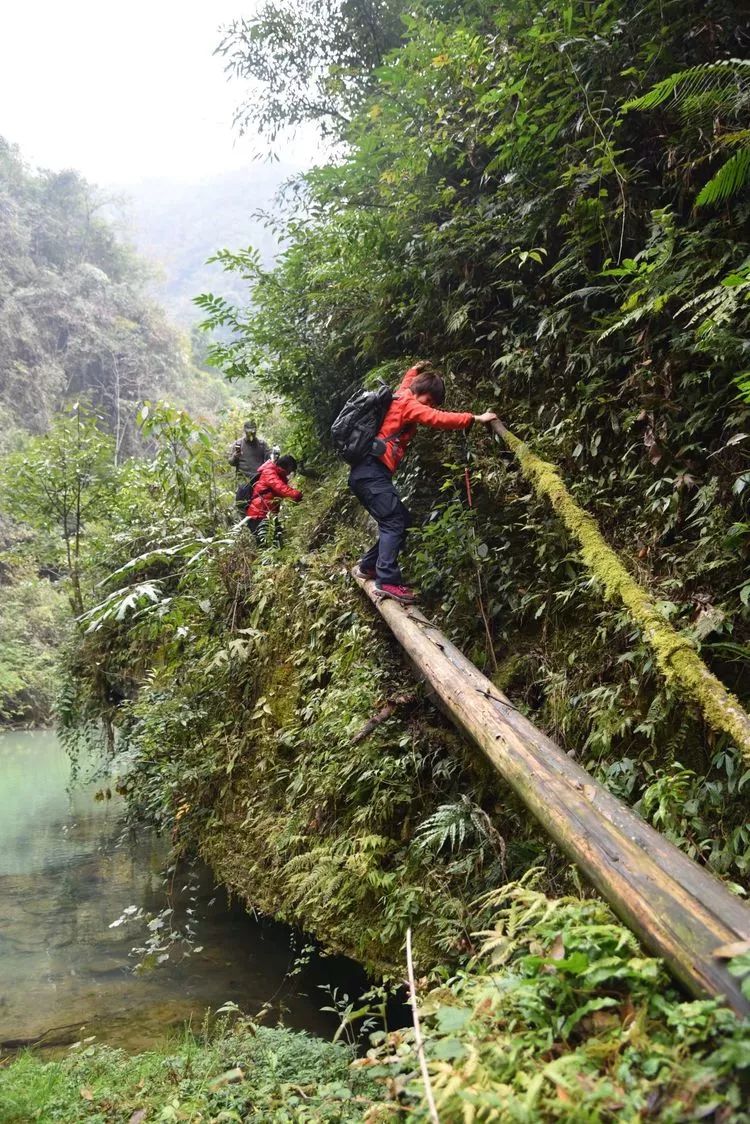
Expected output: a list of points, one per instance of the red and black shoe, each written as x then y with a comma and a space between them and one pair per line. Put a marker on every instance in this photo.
400, 593
366, 572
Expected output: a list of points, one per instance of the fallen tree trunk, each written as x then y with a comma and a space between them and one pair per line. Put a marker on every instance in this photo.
680, 911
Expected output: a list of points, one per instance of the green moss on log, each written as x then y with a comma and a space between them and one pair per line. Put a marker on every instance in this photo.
676, 653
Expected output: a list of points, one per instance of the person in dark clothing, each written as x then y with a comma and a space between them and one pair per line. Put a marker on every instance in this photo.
415, 403
250, 452
272, 486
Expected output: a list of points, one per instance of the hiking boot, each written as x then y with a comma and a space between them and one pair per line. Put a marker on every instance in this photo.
366, 572
400, 593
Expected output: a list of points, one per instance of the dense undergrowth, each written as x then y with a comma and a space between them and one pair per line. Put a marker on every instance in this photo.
561, 1017
249, 677
500, 203
238, 678
493, 204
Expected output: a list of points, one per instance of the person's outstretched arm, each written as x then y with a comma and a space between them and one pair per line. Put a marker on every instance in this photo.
414, 411
280, 488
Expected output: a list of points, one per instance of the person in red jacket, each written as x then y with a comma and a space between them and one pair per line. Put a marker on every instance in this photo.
271, 487
416, 402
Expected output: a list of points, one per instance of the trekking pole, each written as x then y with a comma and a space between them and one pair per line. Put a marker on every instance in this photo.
475, 559
467, 482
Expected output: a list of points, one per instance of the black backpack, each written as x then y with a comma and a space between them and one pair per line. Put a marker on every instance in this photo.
244, 493
354, 431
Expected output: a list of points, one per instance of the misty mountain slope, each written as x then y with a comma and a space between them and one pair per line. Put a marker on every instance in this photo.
74, 318
178, 226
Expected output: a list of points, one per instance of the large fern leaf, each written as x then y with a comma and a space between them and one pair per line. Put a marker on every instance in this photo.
728, 80
730, 178
719, 87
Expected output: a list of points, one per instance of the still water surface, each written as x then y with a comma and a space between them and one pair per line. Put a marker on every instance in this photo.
68, 868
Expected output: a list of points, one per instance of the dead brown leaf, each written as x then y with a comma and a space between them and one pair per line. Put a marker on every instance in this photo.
557, 952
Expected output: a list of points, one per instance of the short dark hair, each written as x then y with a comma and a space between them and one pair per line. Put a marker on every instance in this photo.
432, 383
287, 462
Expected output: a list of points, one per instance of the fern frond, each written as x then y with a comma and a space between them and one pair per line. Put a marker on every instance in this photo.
696, 83
458, 319
730, 178
742, 382
717, 304
633, 317
731, 140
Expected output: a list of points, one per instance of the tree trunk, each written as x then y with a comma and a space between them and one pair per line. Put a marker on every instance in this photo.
676, 653
680, 911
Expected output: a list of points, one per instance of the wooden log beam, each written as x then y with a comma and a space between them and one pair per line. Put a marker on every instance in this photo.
680, 911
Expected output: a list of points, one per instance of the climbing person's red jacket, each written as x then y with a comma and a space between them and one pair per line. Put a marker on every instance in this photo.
405, 413
270, 489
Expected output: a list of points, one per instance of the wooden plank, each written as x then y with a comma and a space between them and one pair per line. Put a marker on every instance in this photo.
680, 911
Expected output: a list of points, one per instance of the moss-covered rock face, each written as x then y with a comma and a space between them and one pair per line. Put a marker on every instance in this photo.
675, 652
241, 743
238, 695
265, 664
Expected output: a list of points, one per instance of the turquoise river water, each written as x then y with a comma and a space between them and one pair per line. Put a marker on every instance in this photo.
68, 868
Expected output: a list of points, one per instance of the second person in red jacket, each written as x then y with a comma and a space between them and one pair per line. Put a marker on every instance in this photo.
415, 403
271, 487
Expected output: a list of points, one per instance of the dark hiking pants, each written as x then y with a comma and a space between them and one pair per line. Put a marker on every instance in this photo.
263, 530
372, 484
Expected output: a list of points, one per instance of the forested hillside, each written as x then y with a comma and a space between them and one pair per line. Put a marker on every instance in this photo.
80, 342
74, 320
550, 202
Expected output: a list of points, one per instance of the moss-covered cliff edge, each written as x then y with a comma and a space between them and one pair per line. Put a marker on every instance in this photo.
237, 693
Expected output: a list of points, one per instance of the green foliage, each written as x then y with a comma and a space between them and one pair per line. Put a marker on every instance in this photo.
253, 671
561, 1017
62, 481
308, 61
715, 94
490, 204
32, 620
493, 205
239, 1072
186, 463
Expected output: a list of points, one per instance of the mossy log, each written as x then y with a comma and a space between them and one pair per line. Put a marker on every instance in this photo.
676, 653
680, 911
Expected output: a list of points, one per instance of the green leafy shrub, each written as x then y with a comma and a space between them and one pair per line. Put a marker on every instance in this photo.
231, 1073
562, 1017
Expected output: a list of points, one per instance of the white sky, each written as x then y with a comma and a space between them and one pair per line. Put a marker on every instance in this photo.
121, 91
